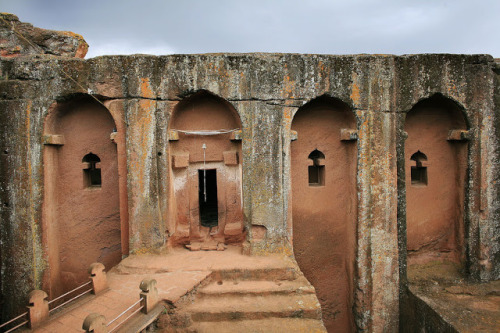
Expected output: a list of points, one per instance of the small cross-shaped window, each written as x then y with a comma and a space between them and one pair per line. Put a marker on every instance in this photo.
91, 172
316, 171
418, 171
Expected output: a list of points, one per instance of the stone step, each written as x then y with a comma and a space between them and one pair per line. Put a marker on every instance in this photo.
269, 273
256, 288
289, 325
255, 307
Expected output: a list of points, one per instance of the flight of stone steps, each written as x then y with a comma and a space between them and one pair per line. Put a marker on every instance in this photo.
261, 300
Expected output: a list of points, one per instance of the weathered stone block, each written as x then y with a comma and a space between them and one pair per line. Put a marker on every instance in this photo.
236, 135
230, 158
53, 139
42, 41
95, 323
180, 161
98, 278
38, 308
149, 294
348, 134
458, 135
173, 135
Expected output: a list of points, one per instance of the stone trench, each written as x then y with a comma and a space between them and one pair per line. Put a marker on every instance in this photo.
378, 174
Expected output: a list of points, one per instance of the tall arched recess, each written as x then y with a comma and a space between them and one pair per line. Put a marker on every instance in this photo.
324, 205
81, 209
205, 206
435, 171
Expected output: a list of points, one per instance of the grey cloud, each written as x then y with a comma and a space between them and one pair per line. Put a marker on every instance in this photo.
336, 27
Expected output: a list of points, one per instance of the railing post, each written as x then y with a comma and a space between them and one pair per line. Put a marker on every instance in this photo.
95, 323
38, 308
149, 294
98, 278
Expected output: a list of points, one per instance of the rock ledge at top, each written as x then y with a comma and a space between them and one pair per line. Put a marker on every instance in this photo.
18, 38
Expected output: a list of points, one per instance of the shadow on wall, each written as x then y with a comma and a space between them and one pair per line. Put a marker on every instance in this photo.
324, 206
435, 167
81, 209
205, 206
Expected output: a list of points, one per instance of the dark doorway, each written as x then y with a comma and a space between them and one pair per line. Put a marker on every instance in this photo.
207, 194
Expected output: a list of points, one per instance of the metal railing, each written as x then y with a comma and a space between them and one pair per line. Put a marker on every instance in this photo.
2, 326
123, 313
71, 299
38, 304
148, 300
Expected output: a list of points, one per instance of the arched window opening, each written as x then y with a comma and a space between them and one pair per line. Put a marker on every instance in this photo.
316, 171
91, 172
418, 171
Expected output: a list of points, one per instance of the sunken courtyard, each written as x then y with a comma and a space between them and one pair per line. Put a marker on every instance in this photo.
276, 192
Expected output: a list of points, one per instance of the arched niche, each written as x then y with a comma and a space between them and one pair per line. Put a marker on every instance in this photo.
324, 205
435, 168
205, 206
81, 220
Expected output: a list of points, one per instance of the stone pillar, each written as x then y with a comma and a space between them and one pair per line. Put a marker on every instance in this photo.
377, 293
147, 230
149, 294
98, 278
95, 323
38, 308
263, 177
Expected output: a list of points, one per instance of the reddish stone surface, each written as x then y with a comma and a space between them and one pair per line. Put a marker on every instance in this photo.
84, 219
181, 273
435, 211
205, 112
324, 226
265, 89
38, 308
441, 300
98, 278
19, 38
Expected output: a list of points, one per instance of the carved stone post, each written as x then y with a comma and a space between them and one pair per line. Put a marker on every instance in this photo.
149, 294
38, 308
95, 323
98, 277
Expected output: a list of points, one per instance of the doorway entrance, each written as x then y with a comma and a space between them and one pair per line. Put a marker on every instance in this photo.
205, 173
207, 194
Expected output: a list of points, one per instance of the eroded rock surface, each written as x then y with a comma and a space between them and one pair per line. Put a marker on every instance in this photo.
18, 38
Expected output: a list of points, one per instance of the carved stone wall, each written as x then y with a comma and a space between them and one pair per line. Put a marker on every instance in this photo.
266, 90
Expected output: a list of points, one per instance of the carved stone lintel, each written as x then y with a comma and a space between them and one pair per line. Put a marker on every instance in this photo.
88, 165
458, 135
53, 140
173, 135
348, 134
236, 135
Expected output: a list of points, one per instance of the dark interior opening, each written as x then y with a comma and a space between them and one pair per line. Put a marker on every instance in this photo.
418, 175
316, 171
316, 175
91, 174
418, 171
207, 194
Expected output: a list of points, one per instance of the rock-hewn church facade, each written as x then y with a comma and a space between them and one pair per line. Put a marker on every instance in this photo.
359, 166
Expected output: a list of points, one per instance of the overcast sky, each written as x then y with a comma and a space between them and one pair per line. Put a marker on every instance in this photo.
298, 26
